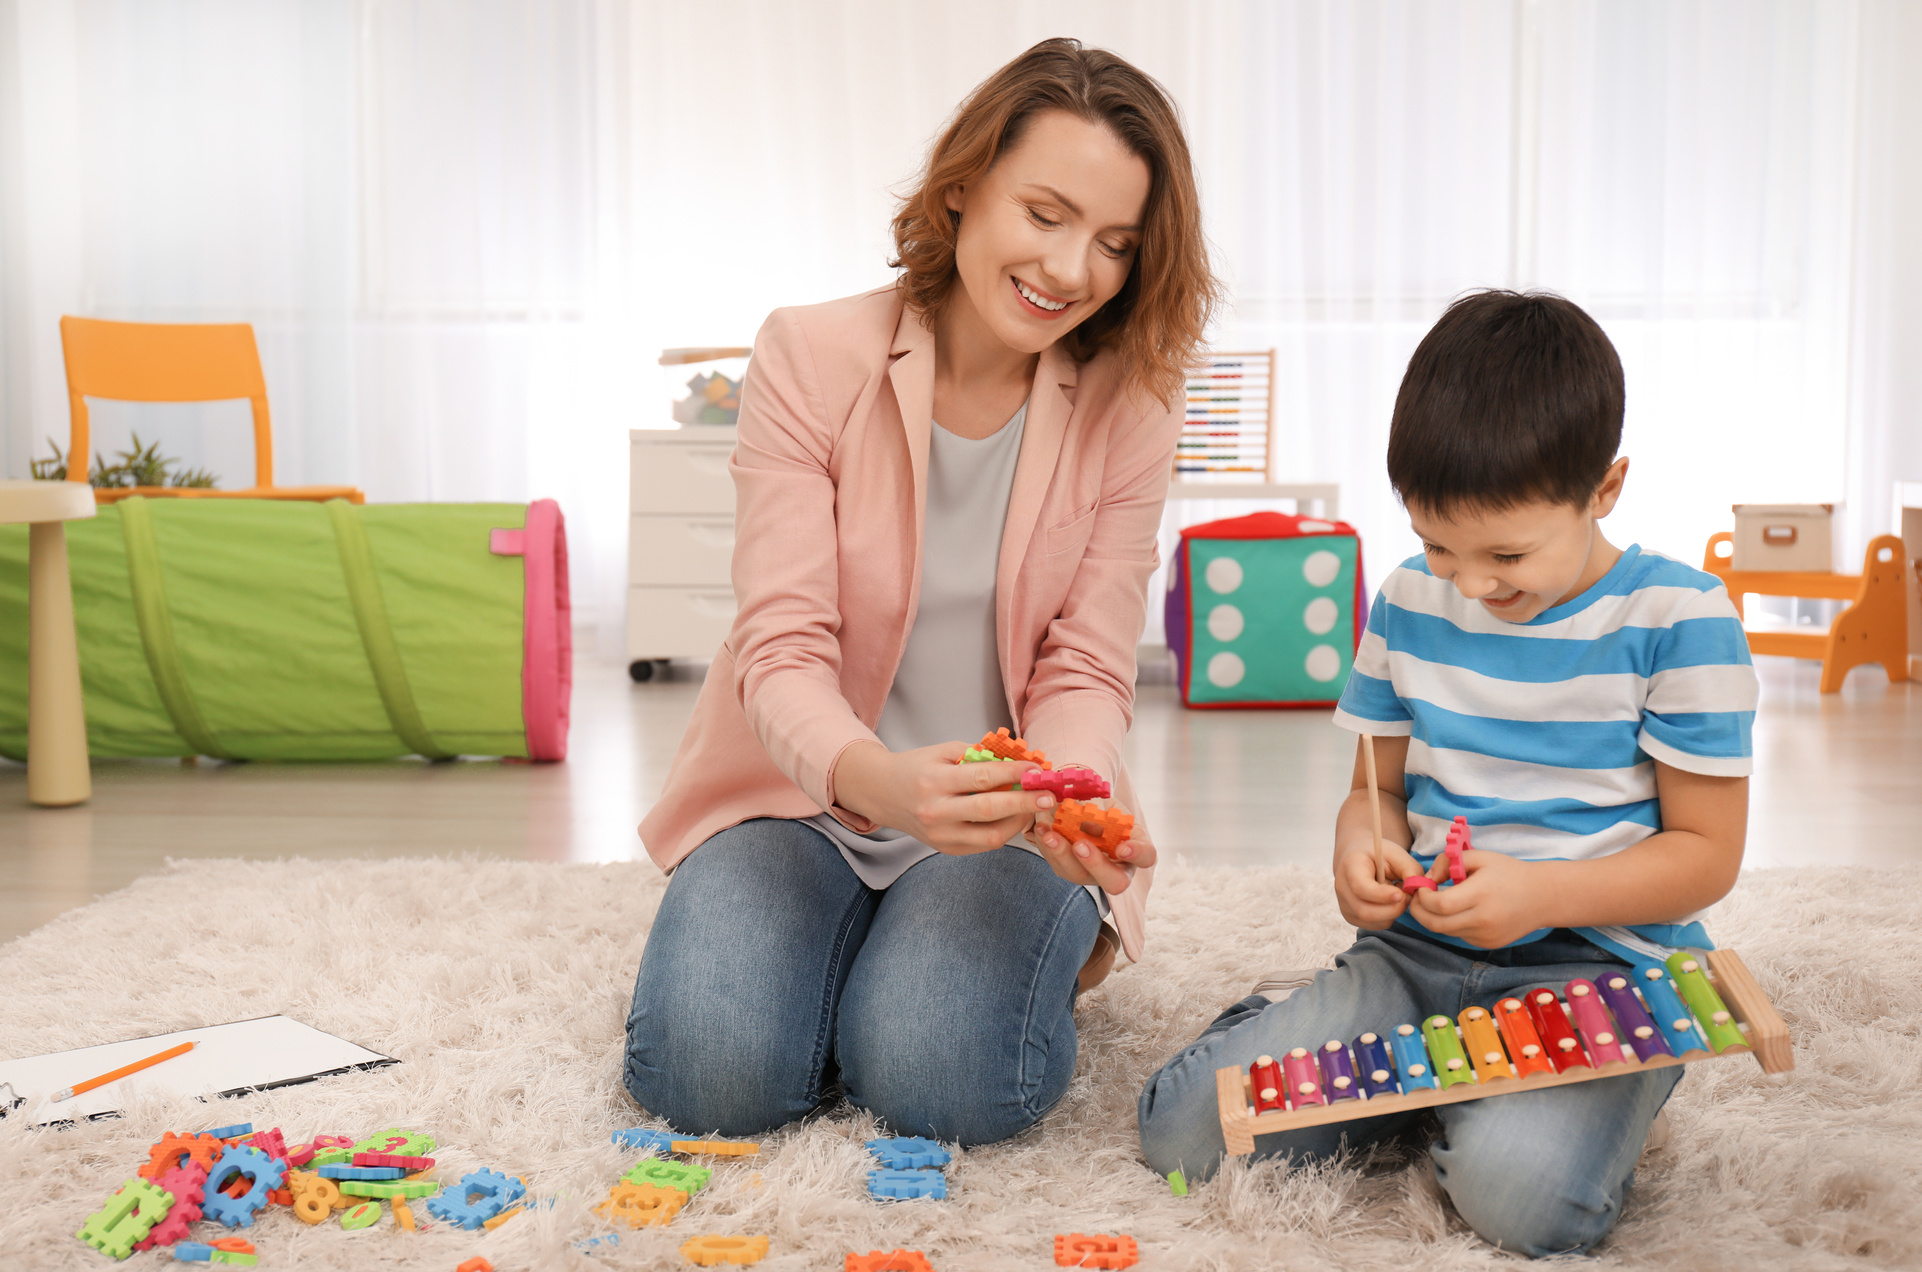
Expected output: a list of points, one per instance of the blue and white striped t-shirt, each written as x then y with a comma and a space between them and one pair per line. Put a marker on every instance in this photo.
1544, 734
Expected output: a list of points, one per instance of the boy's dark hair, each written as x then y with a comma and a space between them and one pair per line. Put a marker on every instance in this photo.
1512, 397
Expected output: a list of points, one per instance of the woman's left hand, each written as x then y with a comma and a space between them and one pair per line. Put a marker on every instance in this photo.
1083, 863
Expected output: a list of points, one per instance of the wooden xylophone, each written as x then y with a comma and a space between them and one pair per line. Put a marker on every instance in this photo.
1638, 1018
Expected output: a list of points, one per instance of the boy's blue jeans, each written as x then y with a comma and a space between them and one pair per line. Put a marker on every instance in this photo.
1540, 1173
945, 1003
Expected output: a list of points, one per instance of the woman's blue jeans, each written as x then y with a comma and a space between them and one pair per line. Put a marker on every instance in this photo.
772, 974
1540, 1173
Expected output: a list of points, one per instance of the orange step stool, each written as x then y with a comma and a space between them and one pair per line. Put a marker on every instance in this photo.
1874, 628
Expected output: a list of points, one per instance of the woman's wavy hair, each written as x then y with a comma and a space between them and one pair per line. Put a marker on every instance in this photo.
1155, 322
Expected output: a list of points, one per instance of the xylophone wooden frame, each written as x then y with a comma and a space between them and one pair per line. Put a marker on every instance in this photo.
1768, 1040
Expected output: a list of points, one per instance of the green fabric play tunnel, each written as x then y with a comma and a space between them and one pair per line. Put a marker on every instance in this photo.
281, 630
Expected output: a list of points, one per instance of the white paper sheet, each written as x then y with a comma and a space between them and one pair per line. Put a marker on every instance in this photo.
241, 1056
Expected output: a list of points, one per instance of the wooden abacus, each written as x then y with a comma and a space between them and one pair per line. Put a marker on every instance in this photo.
1634, 1020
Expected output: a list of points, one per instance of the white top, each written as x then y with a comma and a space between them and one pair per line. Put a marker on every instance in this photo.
948, 687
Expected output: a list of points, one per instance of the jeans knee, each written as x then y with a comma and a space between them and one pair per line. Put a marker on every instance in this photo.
1530, 1212
701, 1090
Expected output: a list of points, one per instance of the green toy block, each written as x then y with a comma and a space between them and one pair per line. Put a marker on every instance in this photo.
388, 1188
1718, 1026
1177, 1183
977, 755
365, 1215
397, 1143
1445, 1048
234, 1257
126, 1218
689, 1178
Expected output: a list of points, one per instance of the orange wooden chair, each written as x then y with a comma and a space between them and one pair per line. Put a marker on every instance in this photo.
1874, 628
173, 362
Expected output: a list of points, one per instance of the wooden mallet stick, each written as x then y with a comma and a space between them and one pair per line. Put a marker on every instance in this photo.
1374, 805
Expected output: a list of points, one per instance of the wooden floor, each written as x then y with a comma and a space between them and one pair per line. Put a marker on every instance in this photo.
1838, 781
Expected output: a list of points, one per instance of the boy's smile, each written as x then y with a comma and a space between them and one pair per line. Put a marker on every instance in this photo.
1522, 561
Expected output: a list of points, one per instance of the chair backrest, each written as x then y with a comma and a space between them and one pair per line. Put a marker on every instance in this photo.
163, 362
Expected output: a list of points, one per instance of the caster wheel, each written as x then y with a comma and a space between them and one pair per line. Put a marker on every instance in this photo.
641, 672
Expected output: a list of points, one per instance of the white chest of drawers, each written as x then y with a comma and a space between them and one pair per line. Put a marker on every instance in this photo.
680, 541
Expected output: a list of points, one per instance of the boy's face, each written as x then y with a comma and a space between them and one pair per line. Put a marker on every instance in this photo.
1522, 561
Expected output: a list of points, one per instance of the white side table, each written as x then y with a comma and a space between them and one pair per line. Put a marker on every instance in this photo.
57, 772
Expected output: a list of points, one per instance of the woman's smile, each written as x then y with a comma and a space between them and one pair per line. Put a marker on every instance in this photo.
1038, 302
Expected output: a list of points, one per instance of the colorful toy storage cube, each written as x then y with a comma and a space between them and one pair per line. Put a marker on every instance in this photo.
1265, 611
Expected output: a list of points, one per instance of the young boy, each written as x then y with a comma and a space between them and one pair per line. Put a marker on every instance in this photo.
1587, 709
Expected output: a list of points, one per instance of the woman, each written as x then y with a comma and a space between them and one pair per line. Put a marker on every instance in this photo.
948, 492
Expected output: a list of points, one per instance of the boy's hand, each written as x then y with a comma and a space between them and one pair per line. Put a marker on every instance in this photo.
1365, 902
1497, 904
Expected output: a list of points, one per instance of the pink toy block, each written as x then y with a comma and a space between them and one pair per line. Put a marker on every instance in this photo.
1066, 783
1415, 883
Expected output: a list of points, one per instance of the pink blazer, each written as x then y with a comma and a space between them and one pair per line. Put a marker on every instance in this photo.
830, 474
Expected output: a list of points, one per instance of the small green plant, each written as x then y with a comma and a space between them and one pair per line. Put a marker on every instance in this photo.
141, 466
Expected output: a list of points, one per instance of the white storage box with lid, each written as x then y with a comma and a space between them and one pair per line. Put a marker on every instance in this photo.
1782, 537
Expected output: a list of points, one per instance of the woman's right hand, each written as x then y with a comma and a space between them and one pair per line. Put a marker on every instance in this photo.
950, 807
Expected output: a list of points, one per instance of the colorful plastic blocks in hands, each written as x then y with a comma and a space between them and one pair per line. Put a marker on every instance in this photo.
1074, 783
1001, 746
1458, 842
1104, 828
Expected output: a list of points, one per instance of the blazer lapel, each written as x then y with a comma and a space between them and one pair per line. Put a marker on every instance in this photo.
1050, 406
912, 374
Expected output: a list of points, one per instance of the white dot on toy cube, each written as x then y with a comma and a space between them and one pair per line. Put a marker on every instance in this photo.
1320, 568
1225, 622
1225, 670
1223, 575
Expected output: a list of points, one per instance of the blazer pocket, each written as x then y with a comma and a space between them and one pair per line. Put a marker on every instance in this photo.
1070, 534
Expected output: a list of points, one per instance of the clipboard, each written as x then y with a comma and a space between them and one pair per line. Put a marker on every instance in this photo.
231, 1059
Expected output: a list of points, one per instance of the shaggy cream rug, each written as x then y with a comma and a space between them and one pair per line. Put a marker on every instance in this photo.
503, 988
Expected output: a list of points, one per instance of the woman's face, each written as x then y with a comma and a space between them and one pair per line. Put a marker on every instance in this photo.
1049, 233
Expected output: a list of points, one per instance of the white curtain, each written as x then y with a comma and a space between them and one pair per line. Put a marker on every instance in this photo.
464, 228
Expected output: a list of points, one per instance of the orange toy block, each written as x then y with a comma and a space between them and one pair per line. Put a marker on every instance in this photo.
716, 1148
712, 1251
475, 1264
177, 1150
499, 1219
1105, 828
234, 1245
641, 1205
889, 1261
1006, 747
402, 1215
1078, 1250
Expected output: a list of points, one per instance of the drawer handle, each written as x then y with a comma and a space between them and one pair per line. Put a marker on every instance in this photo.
713, 604
1779, 536
714, 534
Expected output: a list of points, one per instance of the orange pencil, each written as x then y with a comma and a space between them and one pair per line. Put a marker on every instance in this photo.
69, 1092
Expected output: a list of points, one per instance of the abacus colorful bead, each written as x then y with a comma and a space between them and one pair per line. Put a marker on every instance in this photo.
1525, 1049
1451, 1062
1557, 1035
1339, 1070
1713, 1015
1301, 1079
1599, 1031
1638, 1029
1484, 1045
1413, 1065
1375, 1065
1265, 1076
1665, 1005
